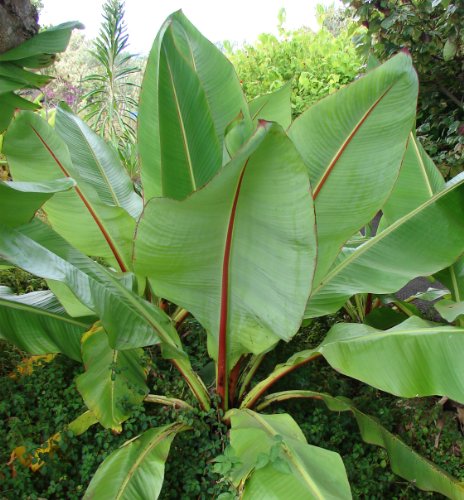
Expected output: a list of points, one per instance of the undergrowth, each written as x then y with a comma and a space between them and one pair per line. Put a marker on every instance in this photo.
35, 406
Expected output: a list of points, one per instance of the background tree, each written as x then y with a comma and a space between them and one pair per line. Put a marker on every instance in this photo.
433, 33
18, 23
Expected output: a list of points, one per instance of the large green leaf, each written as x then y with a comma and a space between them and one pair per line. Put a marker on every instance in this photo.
415, 358
273, 107
9, 103
19, 201
276, 461
418, 181
404, 461
49, 41
353, 143
114, 381
14, 72
136, 470
97, 164
239, 253
190, 93
7, 85
89, 217
420, 243
129, 320
71, 304
35, 322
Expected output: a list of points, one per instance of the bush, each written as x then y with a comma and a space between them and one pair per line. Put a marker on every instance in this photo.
316, 64
432, 32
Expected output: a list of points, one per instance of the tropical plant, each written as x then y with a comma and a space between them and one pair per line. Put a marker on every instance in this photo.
241, 225
418, 181
313, 64
433, 32
110, 105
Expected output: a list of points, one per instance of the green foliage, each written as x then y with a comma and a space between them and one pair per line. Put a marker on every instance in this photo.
68, 73
32, 409
21, 281
316, 64
110, 104
432, 31
417, 421
16, 64
262, 231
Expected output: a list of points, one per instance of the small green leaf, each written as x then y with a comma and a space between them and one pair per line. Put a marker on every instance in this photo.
450, 49
388, 22
281, 465
449, 309
261, 460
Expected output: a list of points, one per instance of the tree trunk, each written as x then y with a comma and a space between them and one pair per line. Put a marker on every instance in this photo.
18, 23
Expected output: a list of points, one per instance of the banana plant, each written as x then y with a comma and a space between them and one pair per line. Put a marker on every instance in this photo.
418, 182
243, 223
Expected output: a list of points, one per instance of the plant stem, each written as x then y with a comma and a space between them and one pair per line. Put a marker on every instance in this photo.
163, 400
194, 382
350, 309
259, 389
283, 396
179, 316
233, 379
403, 309
359, 300
249, 372
368, 304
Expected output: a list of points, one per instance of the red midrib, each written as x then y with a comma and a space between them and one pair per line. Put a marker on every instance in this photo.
221, 383
251, 403
327, 173
86, 203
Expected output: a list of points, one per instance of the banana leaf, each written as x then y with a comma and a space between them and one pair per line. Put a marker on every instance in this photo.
190, 93
353, 143
136, 470
276, 460
35, 322
114, 381
239, 253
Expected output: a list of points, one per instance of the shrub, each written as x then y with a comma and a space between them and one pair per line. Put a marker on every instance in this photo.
315, 63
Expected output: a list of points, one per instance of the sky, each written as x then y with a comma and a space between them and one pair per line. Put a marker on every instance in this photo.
218, 20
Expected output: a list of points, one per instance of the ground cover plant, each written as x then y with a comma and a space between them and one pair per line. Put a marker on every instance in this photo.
28, 418
250, 223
